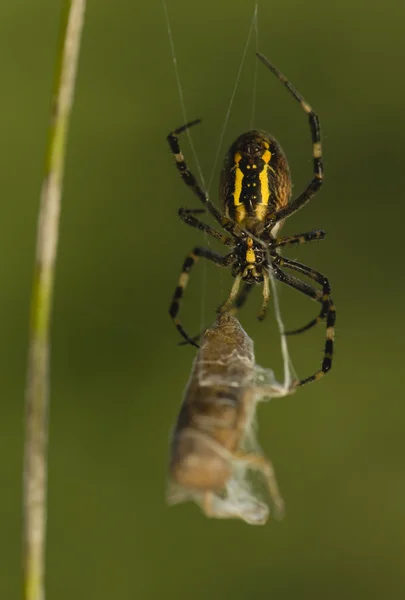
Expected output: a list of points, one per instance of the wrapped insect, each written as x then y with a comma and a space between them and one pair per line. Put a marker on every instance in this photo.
213, 447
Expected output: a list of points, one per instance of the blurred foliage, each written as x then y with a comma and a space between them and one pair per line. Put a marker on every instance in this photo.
118, 376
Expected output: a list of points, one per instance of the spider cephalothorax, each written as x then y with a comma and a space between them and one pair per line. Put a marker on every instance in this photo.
250, 260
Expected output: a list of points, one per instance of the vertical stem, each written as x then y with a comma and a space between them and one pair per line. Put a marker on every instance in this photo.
37, 385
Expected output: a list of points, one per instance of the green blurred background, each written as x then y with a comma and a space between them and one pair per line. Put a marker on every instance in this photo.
117, 373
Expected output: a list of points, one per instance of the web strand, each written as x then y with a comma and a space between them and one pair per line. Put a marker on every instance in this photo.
289, 371
181, 94
254, 87
253, 27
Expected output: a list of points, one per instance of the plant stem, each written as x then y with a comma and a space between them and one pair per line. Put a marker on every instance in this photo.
37, 385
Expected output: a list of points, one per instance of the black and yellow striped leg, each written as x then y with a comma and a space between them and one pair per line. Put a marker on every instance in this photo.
191, 181
297, 284
310, 291
325, 297
187, 216
317, 179
300, 238
328, 310
222, 261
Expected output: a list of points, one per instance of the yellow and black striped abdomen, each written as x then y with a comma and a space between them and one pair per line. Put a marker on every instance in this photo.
255, 180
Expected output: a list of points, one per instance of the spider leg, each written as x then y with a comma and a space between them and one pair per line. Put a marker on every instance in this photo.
191, 181
299, 238
316, 182
187, 216
325, 297
328, 310
297, 284
222, 261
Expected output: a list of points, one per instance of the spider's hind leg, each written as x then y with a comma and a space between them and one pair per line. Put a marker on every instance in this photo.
328, 310
324, 296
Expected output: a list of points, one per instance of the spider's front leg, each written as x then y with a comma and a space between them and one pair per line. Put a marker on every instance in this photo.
189, 179
313, 120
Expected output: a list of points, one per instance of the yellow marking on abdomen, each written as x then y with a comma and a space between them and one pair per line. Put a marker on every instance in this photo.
238, 180
266, 156
264, 187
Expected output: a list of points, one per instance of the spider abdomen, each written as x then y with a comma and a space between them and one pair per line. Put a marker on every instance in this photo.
255, 180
